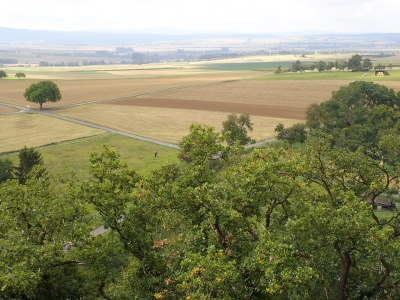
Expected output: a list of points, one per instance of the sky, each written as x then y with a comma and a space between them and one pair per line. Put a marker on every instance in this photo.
233, 16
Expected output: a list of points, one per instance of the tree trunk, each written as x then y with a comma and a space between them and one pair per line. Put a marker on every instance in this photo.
40, 105
345, 263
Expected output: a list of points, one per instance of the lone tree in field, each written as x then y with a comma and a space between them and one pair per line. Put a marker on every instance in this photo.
19, 75
42, 92
237, 126
3, 74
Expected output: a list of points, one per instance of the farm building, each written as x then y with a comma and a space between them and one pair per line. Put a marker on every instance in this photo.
381, 204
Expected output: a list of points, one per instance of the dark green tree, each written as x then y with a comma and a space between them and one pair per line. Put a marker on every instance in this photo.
320, 66
329, 65
28, 158
294, 134
366, 64
6, 169
354, 62
3, 74
42, 92
19, 75
237, 128
279, 70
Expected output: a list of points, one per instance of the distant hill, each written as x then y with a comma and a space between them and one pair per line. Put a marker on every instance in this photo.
11, 35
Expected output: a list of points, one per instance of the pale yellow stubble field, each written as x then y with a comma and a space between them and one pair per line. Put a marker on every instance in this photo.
6, 109
31, 130
164, 124
78, 91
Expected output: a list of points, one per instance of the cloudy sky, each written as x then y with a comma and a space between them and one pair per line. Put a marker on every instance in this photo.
248, 16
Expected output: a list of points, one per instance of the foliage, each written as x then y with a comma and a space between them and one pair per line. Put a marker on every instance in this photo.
294, 134
236, 128
42, 92
6, 169
19, 75
357, 115
354, 63
28, 158
366, 64
36, 221
3, 74
271, 224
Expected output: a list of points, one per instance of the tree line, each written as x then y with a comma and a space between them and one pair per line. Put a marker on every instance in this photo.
355, 63
275, 223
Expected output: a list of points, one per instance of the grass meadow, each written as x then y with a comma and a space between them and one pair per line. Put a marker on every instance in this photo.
74, 156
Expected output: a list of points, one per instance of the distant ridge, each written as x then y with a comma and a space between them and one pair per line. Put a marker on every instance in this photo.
12, 35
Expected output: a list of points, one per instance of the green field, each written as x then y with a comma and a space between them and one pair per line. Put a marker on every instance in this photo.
72, 156
246, 66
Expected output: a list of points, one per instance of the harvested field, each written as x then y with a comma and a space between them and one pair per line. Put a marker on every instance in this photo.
78, 91
164, 124
279, 93
31, 130
6, 109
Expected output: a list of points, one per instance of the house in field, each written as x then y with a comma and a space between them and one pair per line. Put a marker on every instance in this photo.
381, 204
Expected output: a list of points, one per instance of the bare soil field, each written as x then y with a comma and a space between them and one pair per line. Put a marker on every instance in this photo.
293, 94
31, 130
165, 124
78, 91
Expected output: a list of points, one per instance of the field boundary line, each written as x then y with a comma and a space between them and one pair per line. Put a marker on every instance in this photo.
84, 123
66, 142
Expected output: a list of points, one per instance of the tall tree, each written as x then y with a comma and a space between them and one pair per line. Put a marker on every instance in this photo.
3, 74
237, 128
320, 66
354, 63
366, 64
42, 92
28, 158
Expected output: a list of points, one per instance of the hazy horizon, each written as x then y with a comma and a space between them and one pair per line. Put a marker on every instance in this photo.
206, 16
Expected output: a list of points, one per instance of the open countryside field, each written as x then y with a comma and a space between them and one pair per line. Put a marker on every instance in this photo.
6, 109
74, 157
78, 91
285, 94
201, 92
31, 130
165, 124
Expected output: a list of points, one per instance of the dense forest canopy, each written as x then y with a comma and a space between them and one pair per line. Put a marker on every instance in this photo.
271, 224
